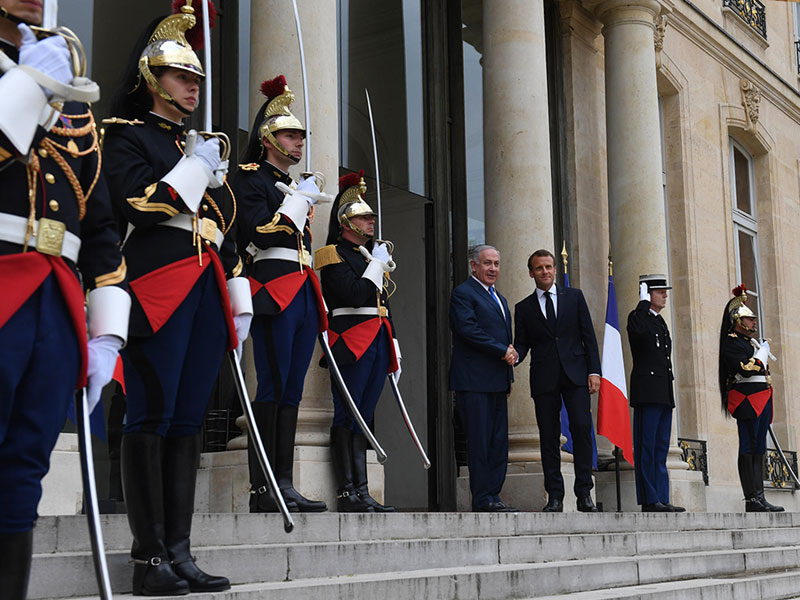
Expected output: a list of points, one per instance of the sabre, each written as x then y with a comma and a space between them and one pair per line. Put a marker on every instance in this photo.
255, 439
90, 495
377, 171
305, 86
337, 377
396, 390
783, 456
207, 59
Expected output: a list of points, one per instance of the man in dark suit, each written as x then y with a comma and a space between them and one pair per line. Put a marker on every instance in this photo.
481, 375
555, 325
651, 394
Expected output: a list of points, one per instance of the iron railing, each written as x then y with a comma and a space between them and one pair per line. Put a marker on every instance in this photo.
751, 12
695, 454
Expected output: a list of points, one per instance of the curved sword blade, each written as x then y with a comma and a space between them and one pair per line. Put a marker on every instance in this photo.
207, 59
307, 150
377, 170
396, 390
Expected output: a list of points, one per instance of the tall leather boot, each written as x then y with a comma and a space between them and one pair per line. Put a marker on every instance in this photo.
141, 455
360, 445
261, 499
181, 457
15, 567
758, 477
342, 457
286, 428
752, 502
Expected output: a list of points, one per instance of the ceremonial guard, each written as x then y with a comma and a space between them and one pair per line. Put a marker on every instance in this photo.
744, 384
360, 333
189, 305
57, 241
275, 231
651, 396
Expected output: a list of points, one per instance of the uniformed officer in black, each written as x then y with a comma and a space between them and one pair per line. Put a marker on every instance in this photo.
746, 394
58, 241
651, 396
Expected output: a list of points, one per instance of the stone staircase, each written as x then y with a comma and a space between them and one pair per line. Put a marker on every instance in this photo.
464, 556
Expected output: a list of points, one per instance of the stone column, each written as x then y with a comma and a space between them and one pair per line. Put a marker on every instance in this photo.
274, 50
518, 195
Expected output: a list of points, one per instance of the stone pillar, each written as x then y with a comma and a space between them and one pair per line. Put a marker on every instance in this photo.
518, 194
274, 50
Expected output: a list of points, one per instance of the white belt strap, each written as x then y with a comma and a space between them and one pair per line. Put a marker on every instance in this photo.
364, 311
186, 222
276, 254
13, 229
754, 379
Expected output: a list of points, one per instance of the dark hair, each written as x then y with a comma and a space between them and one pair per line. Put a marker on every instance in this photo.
727, 326
127, 103
539, 253
255, 147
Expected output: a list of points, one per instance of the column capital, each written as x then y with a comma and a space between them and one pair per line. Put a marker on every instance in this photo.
613, 12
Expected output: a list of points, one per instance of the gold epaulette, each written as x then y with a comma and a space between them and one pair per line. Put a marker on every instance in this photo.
327, 255
732, 335
250, 167
118, 121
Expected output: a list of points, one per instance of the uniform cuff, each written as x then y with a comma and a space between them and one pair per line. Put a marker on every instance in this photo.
108, 312
295, 206
22, 101
190, 179
241, 298
374, 272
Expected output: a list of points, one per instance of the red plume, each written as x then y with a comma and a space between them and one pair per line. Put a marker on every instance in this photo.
272, 88
739, 290
349, 180
195, 35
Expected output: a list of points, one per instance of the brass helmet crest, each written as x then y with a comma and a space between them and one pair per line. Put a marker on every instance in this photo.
277, 116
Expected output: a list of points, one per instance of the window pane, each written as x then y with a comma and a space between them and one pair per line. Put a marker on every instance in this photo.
747, 260
741, 174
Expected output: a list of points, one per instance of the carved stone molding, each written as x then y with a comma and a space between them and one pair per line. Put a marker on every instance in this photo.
751, 97
660, 24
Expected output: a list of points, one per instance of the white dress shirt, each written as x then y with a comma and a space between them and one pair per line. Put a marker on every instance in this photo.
553, 296
486, 287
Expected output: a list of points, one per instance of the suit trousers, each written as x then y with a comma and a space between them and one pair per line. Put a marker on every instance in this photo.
484, 417
652, 424
548, 416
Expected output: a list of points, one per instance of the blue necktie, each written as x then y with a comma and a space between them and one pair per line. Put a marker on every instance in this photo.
496, 299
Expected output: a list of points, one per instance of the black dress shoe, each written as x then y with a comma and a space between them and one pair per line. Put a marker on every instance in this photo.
656, 507
755, 504
771, 507
585, 504
554, 505
673, 508
198, 580
496, 507
503, 507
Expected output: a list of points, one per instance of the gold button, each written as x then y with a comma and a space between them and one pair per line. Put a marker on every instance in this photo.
205, 206
49, 178
42, 152
53, 205
207, 242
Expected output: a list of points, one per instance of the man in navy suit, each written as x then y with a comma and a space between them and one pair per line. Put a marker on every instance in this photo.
481, 374
555, 325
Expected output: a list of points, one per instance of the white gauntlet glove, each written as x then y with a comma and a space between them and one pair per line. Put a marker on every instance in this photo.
198, 169
643, 293
103, 352
399, 360
762, 351
380, 262
49, 56
296, 203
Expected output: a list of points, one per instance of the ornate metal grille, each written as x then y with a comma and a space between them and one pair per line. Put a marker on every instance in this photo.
775, 472
752, 12
219, 428
695, 454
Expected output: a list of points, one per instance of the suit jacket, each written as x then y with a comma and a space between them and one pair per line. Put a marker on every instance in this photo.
571, 345
651, 346
481, 336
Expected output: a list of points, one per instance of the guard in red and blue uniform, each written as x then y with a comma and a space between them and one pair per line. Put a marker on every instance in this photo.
58, 240
289, 312
356, 286
189, 306
746, 391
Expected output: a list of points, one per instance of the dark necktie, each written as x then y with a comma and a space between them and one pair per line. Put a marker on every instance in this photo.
549, 310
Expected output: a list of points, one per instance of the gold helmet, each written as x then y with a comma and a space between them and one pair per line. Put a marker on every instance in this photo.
168, 47
350, 203
737, 309
277, 116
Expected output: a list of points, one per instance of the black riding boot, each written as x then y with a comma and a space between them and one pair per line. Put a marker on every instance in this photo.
141, 456
181, 457
284, 461
342, 457
261, 499
360, 445
15, 566
758, 477
752, 502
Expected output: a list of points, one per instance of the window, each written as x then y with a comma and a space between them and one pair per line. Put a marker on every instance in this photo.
745, 225
796, 15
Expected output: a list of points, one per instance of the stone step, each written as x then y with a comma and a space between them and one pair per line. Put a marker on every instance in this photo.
610, 578
70, 533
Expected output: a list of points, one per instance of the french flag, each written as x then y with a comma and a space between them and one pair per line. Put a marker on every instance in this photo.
613, 418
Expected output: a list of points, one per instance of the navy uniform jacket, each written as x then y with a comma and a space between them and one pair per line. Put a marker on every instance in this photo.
651, 345
262, 226
136, 156
344, 287
90, 218
572, 346
481, 337
746, 399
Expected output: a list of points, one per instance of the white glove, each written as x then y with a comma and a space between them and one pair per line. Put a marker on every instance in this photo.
381, 252
762, 351
49, 56
399, 360
643, 293
207, 150
103, 352
376, 267
242, 325
309, 184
